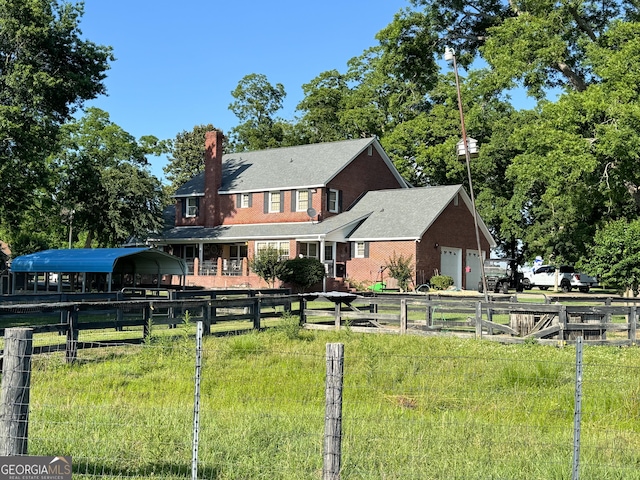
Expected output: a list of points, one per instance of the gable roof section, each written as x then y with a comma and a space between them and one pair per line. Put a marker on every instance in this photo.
303, 166
100, 260
406, 214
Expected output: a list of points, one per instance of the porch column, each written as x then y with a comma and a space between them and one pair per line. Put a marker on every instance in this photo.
245, 266
219, 267
324, 278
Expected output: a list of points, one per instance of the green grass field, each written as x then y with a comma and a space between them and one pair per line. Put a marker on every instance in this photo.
413, 408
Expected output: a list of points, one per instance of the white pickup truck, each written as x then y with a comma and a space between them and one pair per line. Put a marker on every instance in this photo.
544, 277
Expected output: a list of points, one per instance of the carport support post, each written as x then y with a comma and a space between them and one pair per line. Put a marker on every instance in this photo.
336, 313
14, 397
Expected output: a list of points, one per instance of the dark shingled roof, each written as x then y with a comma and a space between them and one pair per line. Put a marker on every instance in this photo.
407, 213
304, 166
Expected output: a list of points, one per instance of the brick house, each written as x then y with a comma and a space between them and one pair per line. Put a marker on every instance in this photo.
341, 202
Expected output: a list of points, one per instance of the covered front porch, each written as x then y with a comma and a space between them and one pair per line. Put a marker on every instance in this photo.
220, 265
219, 257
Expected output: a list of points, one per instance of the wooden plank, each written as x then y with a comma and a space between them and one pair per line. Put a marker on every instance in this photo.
454, 323
617, 327
544, 321
498, 326
545, 332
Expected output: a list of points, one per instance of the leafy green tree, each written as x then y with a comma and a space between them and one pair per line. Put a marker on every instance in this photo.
615, 255
401, 268
186, 158
322, 106
24, 243
302, 272
103, 178
577, 166
256, 103
47, 72
268, 265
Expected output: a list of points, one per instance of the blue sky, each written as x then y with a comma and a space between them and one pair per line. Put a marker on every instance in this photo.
178, 61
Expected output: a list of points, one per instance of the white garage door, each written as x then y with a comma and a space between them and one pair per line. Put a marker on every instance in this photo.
472, 270
451, 264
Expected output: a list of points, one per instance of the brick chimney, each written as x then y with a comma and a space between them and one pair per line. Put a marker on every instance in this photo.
212, 177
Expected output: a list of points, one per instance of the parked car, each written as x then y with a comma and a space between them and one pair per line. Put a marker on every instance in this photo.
544, 277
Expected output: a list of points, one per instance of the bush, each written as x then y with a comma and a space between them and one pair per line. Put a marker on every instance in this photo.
401, 269
441, 282
267, 265
302, 272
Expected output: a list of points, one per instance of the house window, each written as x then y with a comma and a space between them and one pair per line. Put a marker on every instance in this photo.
309, 249
281, 247
274, 202
333, 202
192, 207
244, 200
302, 200
456, 200
237, 251
370, 150
360, 250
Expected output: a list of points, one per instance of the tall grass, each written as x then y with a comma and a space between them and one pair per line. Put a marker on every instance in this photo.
413, 408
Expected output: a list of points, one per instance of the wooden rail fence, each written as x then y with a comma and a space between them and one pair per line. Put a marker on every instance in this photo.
74, 317
506, 320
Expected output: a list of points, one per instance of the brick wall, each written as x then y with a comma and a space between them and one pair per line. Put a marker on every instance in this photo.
363, 174
233, 215
212, 178
454, 228
367, 270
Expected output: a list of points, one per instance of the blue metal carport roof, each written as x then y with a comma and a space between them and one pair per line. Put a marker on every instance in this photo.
100, 260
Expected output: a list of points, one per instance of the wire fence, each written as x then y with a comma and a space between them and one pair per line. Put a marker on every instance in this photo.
255, 407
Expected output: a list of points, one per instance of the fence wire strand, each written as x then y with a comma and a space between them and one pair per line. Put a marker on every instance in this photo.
127, 411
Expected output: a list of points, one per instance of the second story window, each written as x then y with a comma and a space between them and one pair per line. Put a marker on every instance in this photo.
333, 201
243, 200
274, 202
192, 207
302, 200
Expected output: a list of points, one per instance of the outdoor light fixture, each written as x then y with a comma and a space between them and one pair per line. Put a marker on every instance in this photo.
450, 57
